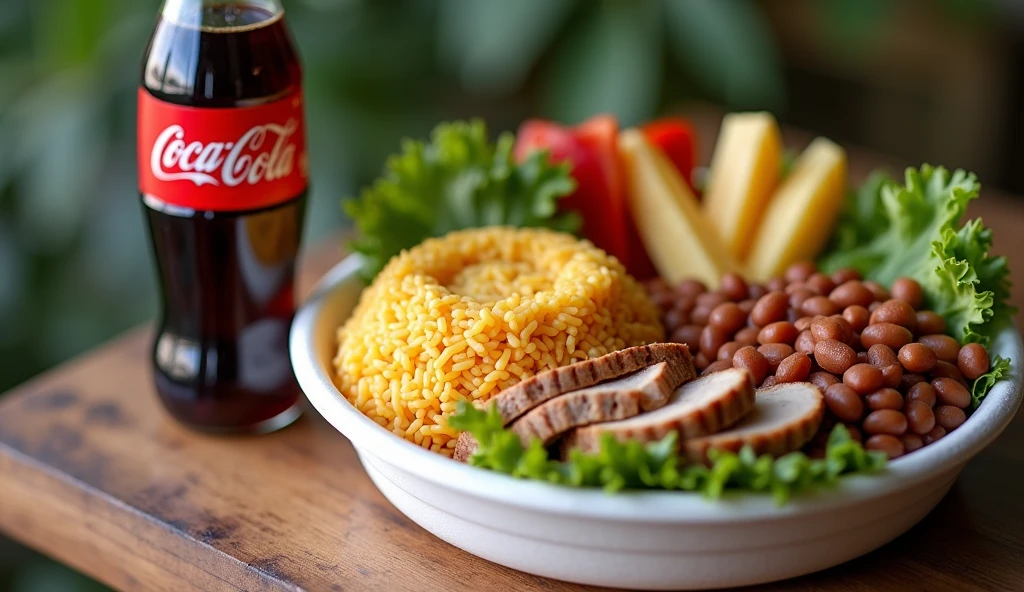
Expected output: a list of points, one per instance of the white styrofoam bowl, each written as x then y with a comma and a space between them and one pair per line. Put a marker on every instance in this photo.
642, 540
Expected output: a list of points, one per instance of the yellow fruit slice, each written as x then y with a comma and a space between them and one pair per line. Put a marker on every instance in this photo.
744, 172
800, 216
677, 236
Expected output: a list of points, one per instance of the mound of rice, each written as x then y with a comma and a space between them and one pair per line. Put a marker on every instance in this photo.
467, 315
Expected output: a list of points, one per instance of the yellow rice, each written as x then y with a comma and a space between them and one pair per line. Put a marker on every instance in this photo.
467, 315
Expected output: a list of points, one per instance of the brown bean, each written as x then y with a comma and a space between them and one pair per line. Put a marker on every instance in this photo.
857, 316
747, 306
890, 445
716, 366
775, 284
804, 343
911, 442
747, 335
949, 417
884, 398
701, 361
834, 356
937, 433
923, 392
881, 355
945, 347
753, 360
770, 308
675, 318
828, 328
711, 339
878, 291
728, 317
862, 356
778, 332
728, 350
892, 376
819, 305
850, 293
972, 361
910, 379
863, 378
846, 274
711, 299
800, 271
896, 312
688, 334
768, 381
804, 323
844, 402
917, 357
909, 291
700, 315
820, 283
823, 380
874, 306
797, 297
947, 370
920, 417
885, 421
794, 368
691, 288
929, 323
774, 353
950, 392
756, 291
733, 286
889, 334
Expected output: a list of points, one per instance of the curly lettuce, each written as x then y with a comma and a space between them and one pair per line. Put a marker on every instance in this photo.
888, 230
632, 465
457, 180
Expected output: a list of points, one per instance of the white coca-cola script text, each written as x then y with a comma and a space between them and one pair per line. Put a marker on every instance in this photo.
230, 164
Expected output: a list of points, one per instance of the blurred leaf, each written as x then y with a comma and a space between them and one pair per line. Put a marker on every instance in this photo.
728, 47
68, 31
610, 64
493, 44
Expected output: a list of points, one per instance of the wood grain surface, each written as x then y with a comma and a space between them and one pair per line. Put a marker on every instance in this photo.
93, 473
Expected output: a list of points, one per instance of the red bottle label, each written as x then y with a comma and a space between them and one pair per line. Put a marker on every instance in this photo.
239, 158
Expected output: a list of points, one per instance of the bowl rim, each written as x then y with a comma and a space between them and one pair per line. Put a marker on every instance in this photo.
661, 507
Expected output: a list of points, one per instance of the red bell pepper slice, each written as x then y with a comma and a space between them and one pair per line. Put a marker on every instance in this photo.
676, 139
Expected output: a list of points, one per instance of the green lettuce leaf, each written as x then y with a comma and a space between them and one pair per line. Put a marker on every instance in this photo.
457, 180
631, 465
999, 369
889, 230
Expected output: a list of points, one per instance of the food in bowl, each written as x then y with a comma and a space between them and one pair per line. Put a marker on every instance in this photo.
467, 315
876, 353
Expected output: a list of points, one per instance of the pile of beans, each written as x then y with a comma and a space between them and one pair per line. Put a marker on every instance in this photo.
887, 370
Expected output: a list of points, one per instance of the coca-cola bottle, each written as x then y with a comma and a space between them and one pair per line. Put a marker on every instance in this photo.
223, 177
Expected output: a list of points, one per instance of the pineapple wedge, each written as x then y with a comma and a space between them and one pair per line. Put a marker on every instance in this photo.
679, 239
744, 172
801, 214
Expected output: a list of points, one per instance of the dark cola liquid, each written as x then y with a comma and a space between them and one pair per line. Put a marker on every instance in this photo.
221, 353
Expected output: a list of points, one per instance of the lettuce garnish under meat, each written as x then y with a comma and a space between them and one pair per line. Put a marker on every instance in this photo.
632, 465
457, 180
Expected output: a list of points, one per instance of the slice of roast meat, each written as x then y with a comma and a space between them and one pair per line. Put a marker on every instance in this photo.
784, 418
701, 407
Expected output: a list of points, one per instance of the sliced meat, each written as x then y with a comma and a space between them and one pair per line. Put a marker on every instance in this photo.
645, 390
521, 397
704, 406
528, 394
784, 418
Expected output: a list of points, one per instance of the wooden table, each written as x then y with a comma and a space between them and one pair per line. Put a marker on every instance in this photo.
93, 473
